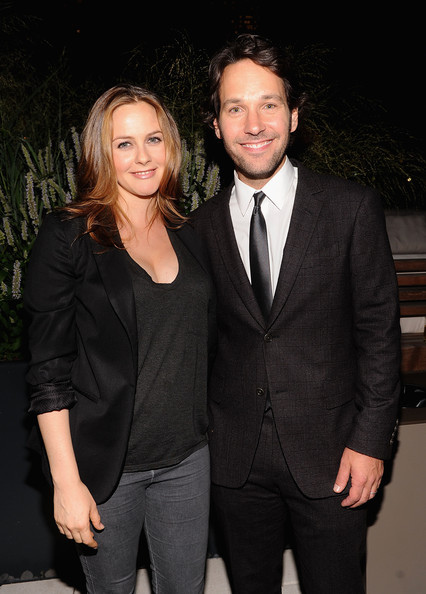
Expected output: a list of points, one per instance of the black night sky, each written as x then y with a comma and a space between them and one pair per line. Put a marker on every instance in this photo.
379, 51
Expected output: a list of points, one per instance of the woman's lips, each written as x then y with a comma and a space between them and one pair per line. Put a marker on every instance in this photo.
144, 174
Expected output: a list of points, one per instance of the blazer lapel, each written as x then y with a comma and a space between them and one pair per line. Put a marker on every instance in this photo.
118, 286
228, 248
193, 243
307, 206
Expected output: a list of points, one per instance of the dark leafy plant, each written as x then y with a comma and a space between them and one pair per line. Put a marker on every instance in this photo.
34, 182
343, 134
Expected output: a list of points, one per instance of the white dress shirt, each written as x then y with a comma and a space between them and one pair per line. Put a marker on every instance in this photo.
276, 208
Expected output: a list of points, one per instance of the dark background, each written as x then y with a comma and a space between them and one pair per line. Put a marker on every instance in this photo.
378, 52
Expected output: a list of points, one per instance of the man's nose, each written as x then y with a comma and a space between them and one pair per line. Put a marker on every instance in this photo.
254, 123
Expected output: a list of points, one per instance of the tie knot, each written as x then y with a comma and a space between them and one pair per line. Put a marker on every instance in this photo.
258, 198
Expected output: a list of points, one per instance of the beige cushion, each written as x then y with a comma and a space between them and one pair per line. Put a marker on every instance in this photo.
407, 232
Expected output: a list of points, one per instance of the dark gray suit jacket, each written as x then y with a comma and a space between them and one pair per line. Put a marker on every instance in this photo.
83, 343
329, 354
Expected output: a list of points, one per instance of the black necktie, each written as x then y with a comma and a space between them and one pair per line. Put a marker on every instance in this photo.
259, 257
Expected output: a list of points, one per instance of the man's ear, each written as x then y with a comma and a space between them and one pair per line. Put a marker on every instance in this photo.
294, 119
216, 128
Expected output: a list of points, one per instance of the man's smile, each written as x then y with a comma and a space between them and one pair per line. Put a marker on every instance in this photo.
256, 145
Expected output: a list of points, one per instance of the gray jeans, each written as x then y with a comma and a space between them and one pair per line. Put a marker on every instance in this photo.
171, 505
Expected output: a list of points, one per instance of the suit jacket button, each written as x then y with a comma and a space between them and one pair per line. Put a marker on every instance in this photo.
260, 392
267, 338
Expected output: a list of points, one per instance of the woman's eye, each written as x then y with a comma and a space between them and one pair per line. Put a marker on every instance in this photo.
123, 144
155, 139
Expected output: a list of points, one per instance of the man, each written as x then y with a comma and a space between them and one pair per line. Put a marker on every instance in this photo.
304, 389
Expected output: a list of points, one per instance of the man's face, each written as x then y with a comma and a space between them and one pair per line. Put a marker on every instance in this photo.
254, 121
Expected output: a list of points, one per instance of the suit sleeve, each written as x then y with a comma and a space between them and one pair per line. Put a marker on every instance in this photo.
376, 331
49, 299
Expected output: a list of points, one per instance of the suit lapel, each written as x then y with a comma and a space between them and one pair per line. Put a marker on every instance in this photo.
229, 252
307, 205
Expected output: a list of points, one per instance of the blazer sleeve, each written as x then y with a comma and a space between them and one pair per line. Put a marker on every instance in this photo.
376, 331
49, 300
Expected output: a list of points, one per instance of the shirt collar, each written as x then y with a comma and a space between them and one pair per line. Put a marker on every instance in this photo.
276, 188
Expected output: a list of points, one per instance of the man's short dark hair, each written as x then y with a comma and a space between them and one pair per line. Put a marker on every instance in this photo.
262, 52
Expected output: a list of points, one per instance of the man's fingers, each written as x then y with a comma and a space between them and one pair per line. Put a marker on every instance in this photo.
365, 473
358, 495
374, 489
341, 479
355, 494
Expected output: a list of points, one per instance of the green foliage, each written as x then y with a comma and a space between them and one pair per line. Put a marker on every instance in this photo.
200, 179
178, 73
341, 133
349, 135
373, 156
39, 100
34, 182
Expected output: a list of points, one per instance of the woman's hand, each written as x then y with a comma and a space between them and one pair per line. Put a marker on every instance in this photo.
74, 511
74, 506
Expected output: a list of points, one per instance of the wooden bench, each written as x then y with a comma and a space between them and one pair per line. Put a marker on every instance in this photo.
411, 275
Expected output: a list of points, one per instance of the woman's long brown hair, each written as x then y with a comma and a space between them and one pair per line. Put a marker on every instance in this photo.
97, 191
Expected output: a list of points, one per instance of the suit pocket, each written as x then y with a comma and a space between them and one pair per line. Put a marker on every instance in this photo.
325, 256
339, 399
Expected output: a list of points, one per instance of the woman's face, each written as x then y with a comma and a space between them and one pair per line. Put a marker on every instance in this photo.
138, 150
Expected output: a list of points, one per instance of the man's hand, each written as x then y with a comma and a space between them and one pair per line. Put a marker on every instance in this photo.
365, 474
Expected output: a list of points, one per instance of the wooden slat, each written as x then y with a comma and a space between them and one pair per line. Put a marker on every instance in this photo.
411, 277
412, 308
410, 265
412, 294
413, 357
411, 280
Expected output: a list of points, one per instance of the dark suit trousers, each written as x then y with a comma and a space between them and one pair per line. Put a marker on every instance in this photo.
328, 540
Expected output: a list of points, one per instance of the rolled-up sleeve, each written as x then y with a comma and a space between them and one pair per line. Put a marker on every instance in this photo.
49, 300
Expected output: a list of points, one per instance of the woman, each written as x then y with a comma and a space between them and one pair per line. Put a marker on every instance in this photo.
121, 304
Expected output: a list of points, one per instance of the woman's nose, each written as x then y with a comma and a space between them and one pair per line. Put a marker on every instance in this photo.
143, 155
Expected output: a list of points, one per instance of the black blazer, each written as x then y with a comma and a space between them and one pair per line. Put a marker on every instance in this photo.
83, 342
329, 353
